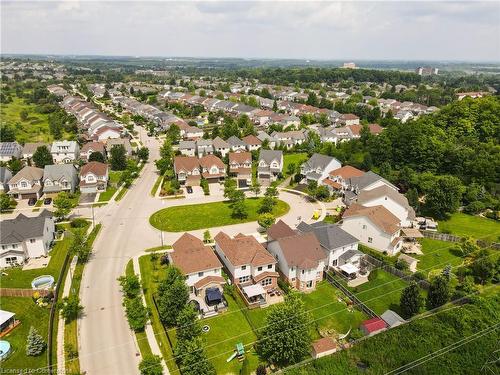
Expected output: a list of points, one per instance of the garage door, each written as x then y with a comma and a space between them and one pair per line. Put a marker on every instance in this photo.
28, 196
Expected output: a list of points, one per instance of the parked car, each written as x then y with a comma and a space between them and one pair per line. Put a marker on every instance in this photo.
31, 201
189, 189
47, 201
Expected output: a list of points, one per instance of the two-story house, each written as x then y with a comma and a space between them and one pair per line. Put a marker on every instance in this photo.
270, 165
252, 142
240, 166
59, 177
212, 168
27, 183
204, 147
94, 177
25, 237
64, 152
375, 227
90, 147
187, 148
301, 260
236, 144
318, 167
187, 170
30, 148
221, 146
339, 179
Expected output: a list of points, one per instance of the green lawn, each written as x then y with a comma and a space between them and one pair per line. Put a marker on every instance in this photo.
207, 215
121, 194
382, 292
157, 183
17, 278
114, 177
221, 339
296, 158
30, 315
437, 254
106, 195
471, 226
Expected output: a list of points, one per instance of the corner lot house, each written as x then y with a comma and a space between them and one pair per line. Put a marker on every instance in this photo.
187, 170
212, 168
240, 166
93, 177
27, 183
270, 164
301, 260
64, 152
248, 264
375, 227
318, 167
10, 150
59, 177
25, 237
202, 269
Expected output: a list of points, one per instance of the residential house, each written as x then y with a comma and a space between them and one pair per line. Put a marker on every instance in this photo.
221, 146
318, 167
89, 148
5, 176
10, 150
27, 183
339, 179
204, 147
105, 132
289, 138
125, 142
240, 166
25, 237
348, 119
248, 264
94, 177
64, 152
202, 270
236, 144
187, 170
252, 142
187, 148
393, 201
333, 239
375, 129
30, 148
270, 165
264, 137
212, 168
301, 260
375, 227
59, 177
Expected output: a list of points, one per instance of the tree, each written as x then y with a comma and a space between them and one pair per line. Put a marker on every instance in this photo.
173, 295
238, 206
143, 154
444, 196
118, 158
411, 301
439, 292
291, 168
80, 247
97, 156
7, 133
229, 188
287, 337
266, 220
15, 165
151, 364
42, 157
322, 193
5, 201
131, 285
312, 186
71, 308
137, 313
468, 246
207, 237
63, 205
188, 327
192, 358
34, 343
483, 269
255, 188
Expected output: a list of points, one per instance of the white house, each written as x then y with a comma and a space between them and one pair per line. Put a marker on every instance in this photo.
375, 227
318, 167
221, 146
25, 237
64, 152
187, 148
93, 177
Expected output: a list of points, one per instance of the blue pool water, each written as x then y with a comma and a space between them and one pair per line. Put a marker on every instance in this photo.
43, 282
4, 349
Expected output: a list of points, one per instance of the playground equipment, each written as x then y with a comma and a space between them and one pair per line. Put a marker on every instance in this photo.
239, 351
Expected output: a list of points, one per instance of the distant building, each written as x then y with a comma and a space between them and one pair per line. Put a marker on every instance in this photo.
426, 71
349, 65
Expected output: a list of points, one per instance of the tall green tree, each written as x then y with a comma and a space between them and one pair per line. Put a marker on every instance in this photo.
173, 295
63, 205
411, 301
193, 360
188, 326
34, 343
42, 157
97, 156
444, 196
151, 365
118, 159
439, 292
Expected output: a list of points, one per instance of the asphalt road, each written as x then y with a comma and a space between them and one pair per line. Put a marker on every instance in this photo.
106, 344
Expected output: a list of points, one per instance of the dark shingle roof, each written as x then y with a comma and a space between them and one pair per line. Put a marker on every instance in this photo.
22, 227
329, 235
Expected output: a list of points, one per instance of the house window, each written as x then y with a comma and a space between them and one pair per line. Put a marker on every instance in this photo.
302, 272
11, 260
364, 226
269, 266
200, 274
243, 267
24, 184
14, 246
259, 269
334, 262
309, 284
267, 281
370, 240
32, 240
4, 247
244, 279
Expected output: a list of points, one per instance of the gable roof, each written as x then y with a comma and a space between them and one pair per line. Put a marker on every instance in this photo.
27, 173
208, 161
385, 191
23, 227
269, 155
378, 215
235, 141
31, 147
218, 142
187, 163
330, 236
302, 250
252, 140
59, 171
191, 255
279, 230
92, 146
368, 178
347, 172
95, 167
187, 145
374, 324
240, 157
72, 147
242, 250
318, 161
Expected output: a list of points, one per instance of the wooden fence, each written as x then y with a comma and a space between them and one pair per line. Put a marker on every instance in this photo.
16, 292
452, 238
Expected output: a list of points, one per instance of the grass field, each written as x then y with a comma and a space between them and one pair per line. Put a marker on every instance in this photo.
297, 159
464, 225
437, 254
121, 194
207, 215
30, 315
382, 292
108, 194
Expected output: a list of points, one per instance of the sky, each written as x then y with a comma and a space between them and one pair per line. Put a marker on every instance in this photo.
347, 30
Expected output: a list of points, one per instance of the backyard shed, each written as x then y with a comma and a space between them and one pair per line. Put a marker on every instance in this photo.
373, 326
392, 318
322, 347
7, 320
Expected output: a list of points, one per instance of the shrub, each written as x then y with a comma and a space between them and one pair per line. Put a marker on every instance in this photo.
78, 223
34, 344
373, 275
204, 186
131, 286
151, 365
401, 265
137, 313
70, 350
283, 285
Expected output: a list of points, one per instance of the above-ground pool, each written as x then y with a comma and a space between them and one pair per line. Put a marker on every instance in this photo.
4, 349
43, 282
